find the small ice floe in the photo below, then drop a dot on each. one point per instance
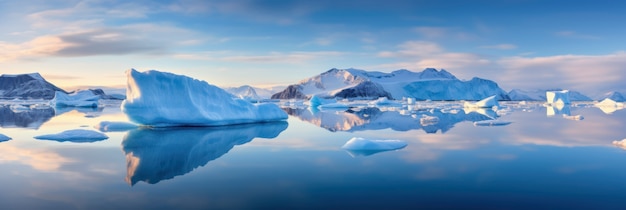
(19, 108)
(317, 100)
(108, 126)
(609, 106)
(426, 120)
(363, 147)
(620, 144)
(333, 106)
(488, 102)
(76, 135)
(4, 138)
(383, 101)
(573, 117)
(491, 123)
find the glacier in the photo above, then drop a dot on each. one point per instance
(4, 138)
(84, 98)
(76, 135)
(365, 147)
(162, 99)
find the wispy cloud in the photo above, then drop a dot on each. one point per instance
(575, 35)
(272, 57)
(500, 46)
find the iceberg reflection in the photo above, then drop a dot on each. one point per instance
(27, 118)
(153, 155)
(373, 118)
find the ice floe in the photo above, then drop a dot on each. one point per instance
(491, 123)
(364, 147)
(76, 135)
(164, 99)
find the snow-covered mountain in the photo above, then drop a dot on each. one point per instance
(613, 95)
(253, 93)
(540, 95)
(427, 84)
(26, 86)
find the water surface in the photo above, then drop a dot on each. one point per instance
(542, 160)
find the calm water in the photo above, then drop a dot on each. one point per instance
(540, 161)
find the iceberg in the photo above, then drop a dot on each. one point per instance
(363, 147)
(558, 97)
(76, 135)
(108, 126)
(491, 123)
(162, 99)
(4, 138)
(574, 117)
(609, 106)
(488, 102)
(83, 98)
(316, 101)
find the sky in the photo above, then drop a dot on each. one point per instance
(520, 44)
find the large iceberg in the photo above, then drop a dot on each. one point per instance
(83, 98)
(488, 102)
(365, 147)
(164, 99)
(558, 97)
(76, 135)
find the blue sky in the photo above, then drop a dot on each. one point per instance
(523, 44)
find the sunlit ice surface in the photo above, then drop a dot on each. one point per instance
(542, 159)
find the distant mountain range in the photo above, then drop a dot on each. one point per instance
(429, 84)
(34, 86)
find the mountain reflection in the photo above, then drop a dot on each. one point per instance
(373, 118)
(153, 155)
(24, 118)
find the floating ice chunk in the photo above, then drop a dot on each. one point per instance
(621, 144)
(76, 135)
(83, 98)
(491, 123)
(426, 120)
(333, 106)
(108, 126)
(574, 117)
(4, 138)
(558, 97)
(488, 102)
(365, 147)
(16, 108)
(383, 101)
(163, 99)
(609, 106)
(317, 101)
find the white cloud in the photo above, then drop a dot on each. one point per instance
(590, 74)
